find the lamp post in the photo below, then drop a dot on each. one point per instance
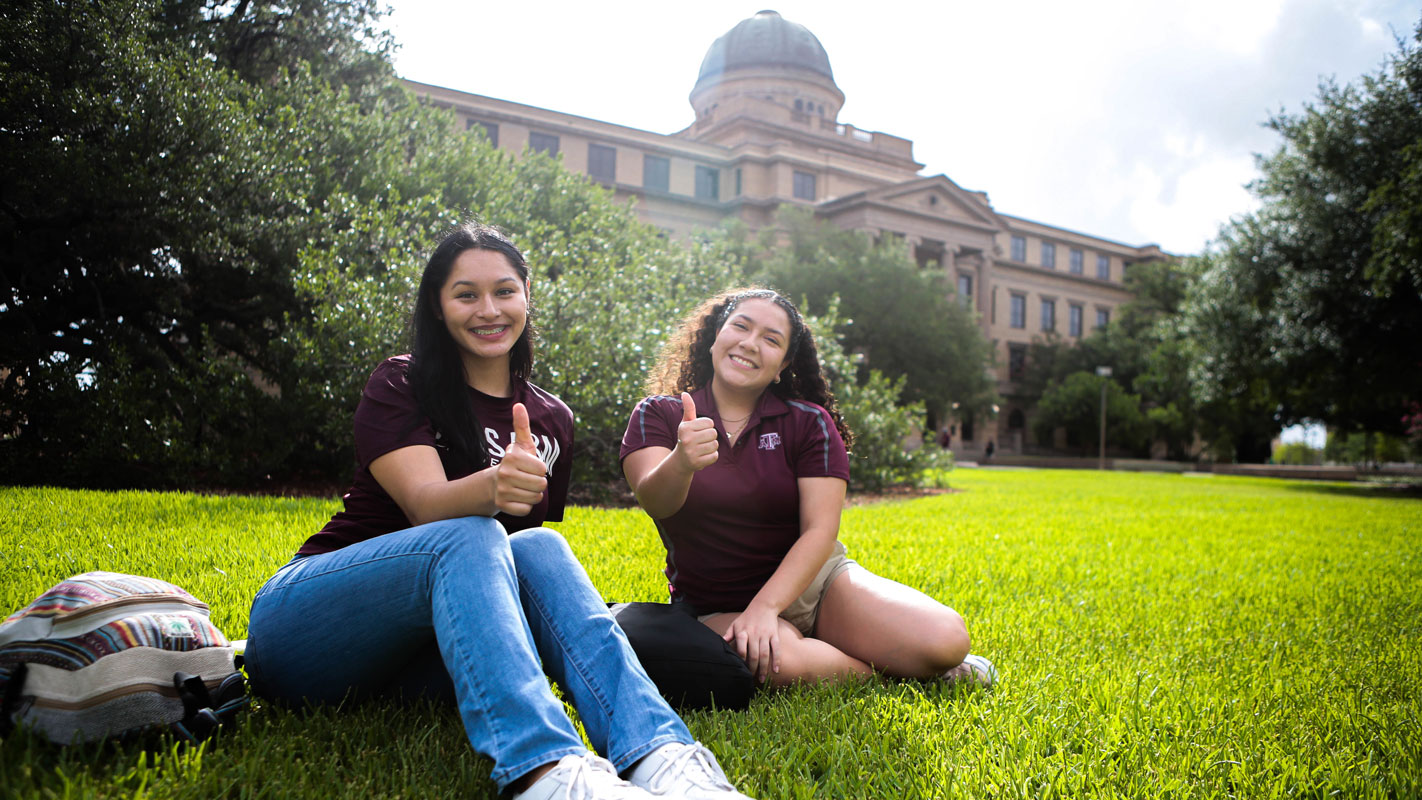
(1104, 372)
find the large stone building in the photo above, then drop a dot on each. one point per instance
(767, 132)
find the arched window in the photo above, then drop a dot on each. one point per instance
(1016, 421)
(799, 105)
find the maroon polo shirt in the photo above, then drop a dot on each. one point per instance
(742, 513)
(388, 418)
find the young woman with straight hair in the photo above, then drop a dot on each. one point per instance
(437, 578)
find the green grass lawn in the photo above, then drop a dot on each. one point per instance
(1156, 636)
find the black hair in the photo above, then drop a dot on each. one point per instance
(436, 366)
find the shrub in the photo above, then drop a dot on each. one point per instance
(881, 427)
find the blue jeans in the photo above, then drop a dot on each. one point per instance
(364, 620)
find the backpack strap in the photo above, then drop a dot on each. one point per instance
(204, 711)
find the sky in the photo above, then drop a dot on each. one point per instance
(1134, 120)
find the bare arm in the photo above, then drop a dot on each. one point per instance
(755, 633)
(660, 478)
(414, 477)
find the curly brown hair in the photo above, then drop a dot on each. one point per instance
(684, 363)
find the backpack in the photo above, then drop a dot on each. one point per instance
(109, 655)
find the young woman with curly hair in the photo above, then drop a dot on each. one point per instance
(740, 457)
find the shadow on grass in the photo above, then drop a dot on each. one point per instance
(1367, 490)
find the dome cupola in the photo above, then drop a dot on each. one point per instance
(770, 58)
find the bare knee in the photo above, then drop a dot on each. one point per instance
(946, 642)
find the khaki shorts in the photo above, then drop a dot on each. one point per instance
(804, 612)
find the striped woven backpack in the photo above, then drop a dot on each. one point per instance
(103, 654)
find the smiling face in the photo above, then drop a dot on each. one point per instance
(750, 347)
(484, 306)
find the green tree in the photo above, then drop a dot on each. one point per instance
(1075, 404)
(1146, 350)
(1297, 454)
(902, 320)
(211, 222)
(143, 198)
(881, 423)
(1310, 308)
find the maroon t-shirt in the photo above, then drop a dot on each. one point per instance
(388, 418)
(742, 513)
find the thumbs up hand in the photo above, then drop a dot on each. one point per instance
(519, 480)
(696, 444)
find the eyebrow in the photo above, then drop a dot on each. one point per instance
(504, 279)
(744, 316)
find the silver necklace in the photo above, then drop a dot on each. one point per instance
(729, 434)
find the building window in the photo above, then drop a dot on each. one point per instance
(804, 186)
(1019, 248)
(1103, 317)
(967, 428)
(1077, 261)
(1019, 311)
(1103, 267)
(543, 143)
(1016, 361)
(738, 181)
(1049, 315)
(708, 183)
(602, 162)
(656, 173)
(491, 131)
(965, 289)
(799, 105)
(1049, 255)
(1074, 315)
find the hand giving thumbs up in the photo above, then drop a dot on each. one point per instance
(519, 480)
(696, 444)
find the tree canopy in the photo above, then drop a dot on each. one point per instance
(1310, 308)
(212, 219)
(901, 320)
(1147, 352)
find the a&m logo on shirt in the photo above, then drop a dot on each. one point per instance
(769, 441)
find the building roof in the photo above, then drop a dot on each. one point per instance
(766, 39)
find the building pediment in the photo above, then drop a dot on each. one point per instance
(935, 197)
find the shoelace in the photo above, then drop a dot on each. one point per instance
(584, 780)
(694, 764)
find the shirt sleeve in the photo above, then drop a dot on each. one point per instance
(650, 425)
(819, 451)
(388, 417)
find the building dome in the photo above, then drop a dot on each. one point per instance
(765, 40)
(763, 65)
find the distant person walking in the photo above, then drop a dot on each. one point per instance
(987, 451)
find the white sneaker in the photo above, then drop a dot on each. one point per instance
(686, 771)
(974, 669)
(584, 777)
